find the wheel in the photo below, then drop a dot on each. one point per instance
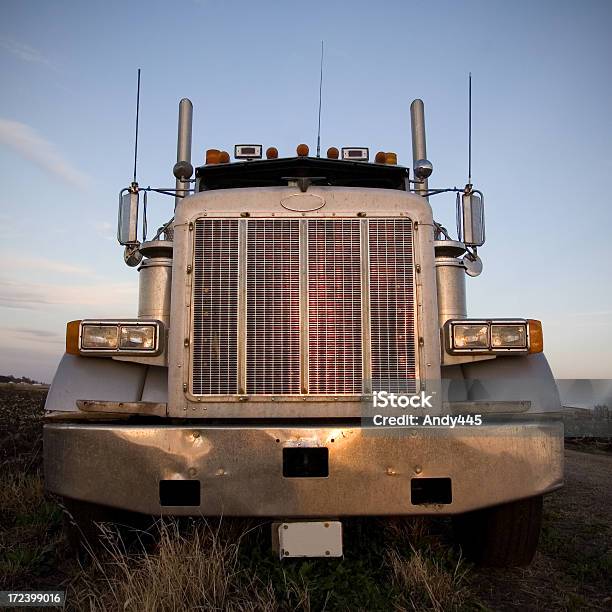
(501, 536)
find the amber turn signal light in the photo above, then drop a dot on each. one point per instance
(536, 337)
(72, 337)
(302, 150)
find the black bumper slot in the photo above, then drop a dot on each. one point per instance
(179, 492)
(306, 462)
(431, 491)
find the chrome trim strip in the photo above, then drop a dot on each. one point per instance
(242, 306)
(304, 322)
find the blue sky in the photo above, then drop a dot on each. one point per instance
(541, 143)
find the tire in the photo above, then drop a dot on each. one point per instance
(501, 536)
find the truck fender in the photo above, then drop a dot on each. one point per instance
(156, 385)
(522, 378)
(90, 378)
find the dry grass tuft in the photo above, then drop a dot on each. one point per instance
(196, 568)
(425, 583)
(30, 529)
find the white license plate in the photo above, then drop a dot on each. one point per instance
(310, 539)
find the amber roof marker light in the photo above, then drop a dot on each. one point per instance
(302, 150)
(391, 158)
(271, 153)
(380, 157)
(333, 153)
(213, 156)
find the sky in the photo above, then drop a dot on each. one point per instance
(542, 136)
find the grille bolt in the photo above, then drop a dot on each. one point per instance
(184, 386)
(361, 214)
(418, 268)
(245, 214)
(196, 434)
(418, 469)
(189, 269)
(186, 342)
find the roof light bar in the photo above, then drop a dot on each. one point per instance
(356, 153)
(247, 151)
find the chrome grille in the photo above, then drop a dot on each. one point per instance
(334, 307)
(215, 307)
(273, 306)
(392, 305)
(291, 306)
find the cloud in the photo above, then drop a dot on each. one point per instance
(24, 52)
(106, 230)
(32, 296)
(22, 336)
(38, 333)
(44, 265)
(30, 145)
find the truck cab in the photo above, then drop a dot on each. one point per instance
(302, 352)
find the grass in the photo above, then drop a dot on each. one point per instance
(227, 565)
(30, 530)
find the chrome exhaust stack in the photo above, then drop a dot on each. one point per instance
(450, 270)
(155, 271)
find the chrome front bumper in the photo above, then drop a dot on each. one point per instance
(240, 471)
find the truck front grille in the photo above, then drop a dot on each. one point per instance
(215, 307)
(392, 306)
(334, 307)
(290, 306)
(273, 307)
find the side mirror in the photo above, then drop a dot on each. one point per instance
(471, 218)
(127, 229)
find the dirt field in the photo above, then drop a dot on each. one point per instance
(387, 566)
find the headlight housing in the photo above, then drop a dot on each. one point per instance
(108, 338)
(493, 336)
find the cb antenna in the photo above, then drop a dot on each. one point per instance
(320, 92)
(136, 137)
(470, 129)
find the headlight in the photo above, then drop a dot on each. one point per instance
(139, 337)
(114, 337)
(471, 336)
(493, 336)
(99, 337)
(509, 336)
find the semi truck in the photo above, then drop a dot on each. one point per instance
(303, 353)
